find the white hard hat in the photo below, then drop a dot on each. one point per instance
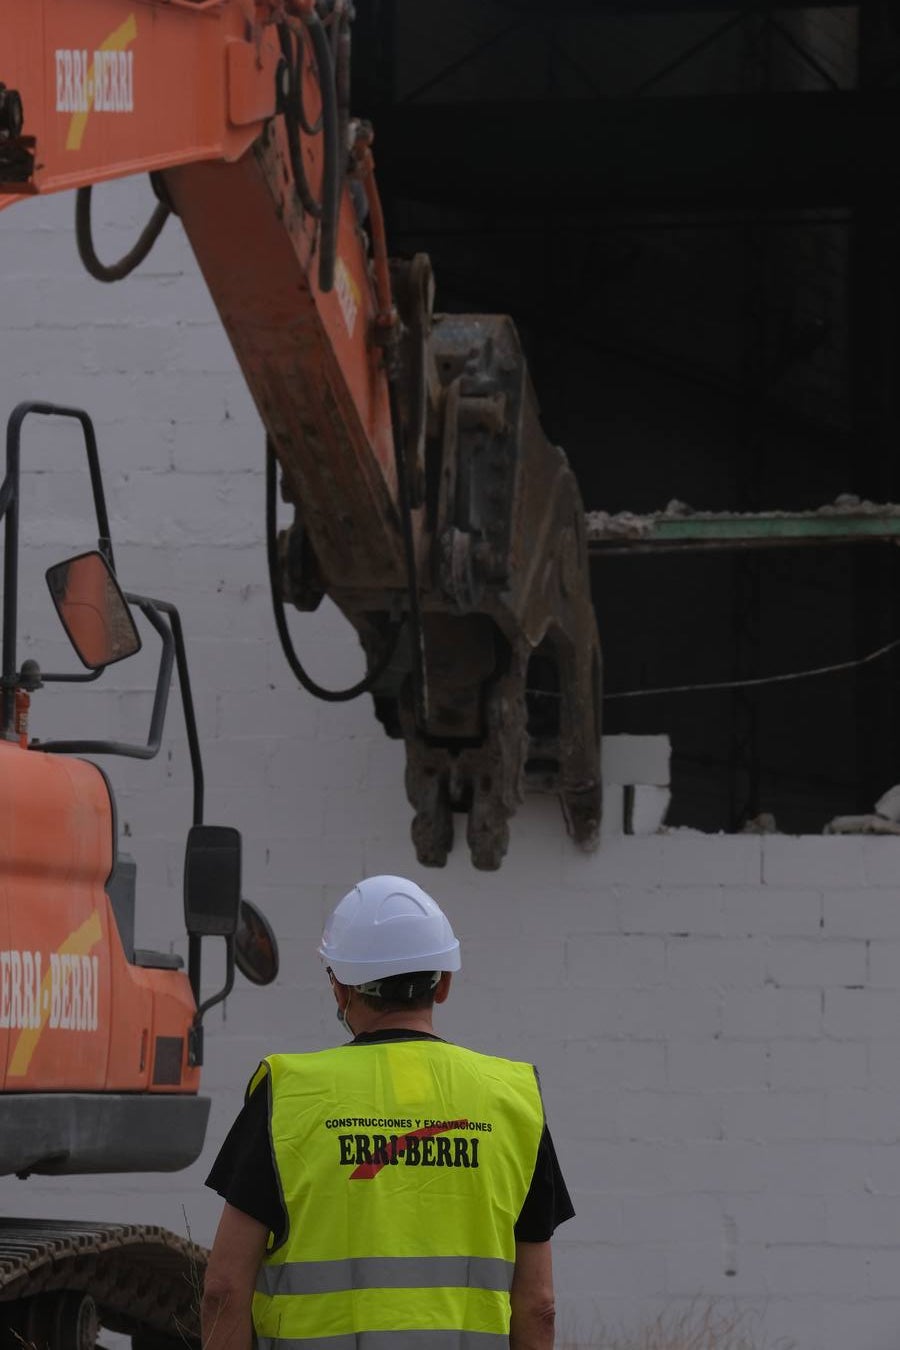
(387, 926)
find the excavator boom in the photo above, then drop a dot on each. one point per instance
(429, 504)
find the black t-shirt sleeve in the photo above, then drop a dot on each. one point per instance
(244, 1171)
(547, 1203)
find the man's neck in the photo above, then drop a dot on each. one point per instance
(365, 1020)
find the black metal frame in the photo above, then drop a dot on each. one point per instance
(174, 653)
(160, 701)
(169, 628)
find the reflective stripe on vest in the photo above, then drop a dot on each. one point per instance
(400, 1219)
(391, 1340)
(386, 1272)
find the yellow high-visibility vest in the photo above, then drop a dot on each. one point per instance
(403, 1167)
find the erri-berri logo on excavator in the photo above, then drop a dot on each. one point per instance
(98, 81)
(57, 990)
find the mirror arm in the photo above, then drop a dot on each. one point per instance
(196, 758)
(195, 947)
(83, 677)
(9, 497)
(104, 540)
(187, 702)
(160, 700)
(195, 1035)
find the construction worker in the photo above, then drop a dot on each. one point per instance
(396, 1193)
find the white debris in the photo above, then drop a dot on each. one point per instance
(764, 823)
(677, 508)
(889, 804)
(885, 819)
(629, 760)
(870, 824)
(648, 808)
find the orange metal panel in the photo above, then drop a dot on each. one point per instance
(147, 1004)
(55, 856)
(249, 94)
(112, 88)
(74, 1015)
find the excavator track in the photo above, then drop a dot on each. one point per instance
(60, 1279)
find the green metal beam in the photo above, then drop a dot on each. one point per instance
(666, 532)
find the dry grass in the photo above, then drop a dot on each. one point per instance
(709, 1327)
(195, 1279)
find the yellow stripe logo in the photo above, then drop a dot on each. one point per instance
(101, 81)
(69, 993)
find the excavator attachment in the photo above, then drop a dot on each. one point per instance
(511, 655)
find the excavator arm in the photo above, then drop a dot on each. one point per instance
(429, 504)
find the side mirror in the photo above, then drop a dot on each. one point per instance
(93, 610)
(212, 881)
(255, 946)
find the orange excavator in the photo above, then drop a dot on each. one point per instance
(101, 1041)
(428, 505)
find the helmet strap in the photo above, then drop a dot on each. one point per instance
(397, 988)
(345, 1010)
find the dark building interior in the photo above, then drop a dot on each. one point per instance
(691, 211)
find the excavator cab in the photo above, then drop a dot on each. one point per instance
(101, 1041)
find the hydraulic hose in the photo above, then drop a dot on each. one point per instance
(332, 153)
(295, 118)
(306, 681)
(341, 48)
(310, 128)
(135, 256)
(326, 211)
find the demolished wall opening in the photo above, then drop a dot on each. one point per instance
(705, 270)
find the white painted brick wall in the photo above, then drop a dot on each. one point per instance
(717, 1019)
